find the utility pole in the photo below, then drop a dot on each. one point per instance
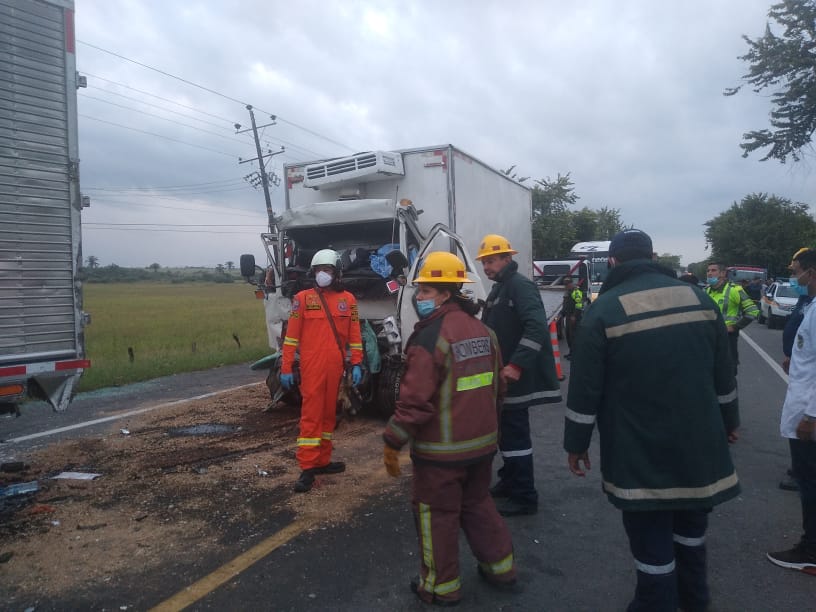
(260, 158)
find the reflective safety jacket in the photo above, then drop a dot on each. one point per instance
(651, 369)
(309, 331)
(448, 400)
(737, 308)
(514, 311)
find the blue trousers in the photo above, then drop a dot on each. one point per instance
(516, 475)
(803, 462)
(670, 556)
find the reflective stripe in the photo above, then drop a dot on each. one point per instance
(530, 344)
(499, 567)
(689, 541)
(445, 392)
(517, 453)
(728, 397)
(327, 435)
(655, 300)
(694, 316)
(308, 441)
(520, 399)
(399, 431)
(446, 588)
(355, 345)
(673, 493)
(654, 570)
(577, 417)
(476, 381)
(457, 447)
(427, 545)
(291, 341)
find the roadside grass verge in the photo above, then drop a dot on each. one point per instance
(144, 330)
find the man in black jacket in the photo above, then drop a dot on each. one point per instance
(514, 311)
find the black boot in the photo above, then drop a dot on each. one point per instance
(305, 482)
(334, 467)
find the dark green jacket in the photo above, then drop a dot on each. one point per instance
(515, 313)
(652, 365)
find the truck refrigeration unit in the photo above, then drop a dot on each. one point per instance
(42, 351)
(383, 211)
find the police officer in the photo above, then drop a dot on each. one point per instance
(737, 308)
(652, 370)
(515, 312)
(447, 410)
(316, 315)
(573, 309)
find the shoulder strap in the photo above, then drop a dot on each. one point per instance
(331, 322)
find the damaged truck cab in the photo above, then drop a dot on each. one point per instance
(383, 212)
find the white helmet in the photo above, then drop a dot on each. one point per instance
(326, 257)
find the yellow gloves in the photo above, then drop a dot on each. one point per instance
(391, 460)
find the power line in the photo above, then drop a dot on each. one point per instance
(169, 224)
(186, 194)
(214, 92)
(138, 229)
(189, 144)
(163, 187)
(223, 209)
(187, 125)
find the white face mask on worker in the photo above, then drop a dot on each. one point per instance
(323, 279)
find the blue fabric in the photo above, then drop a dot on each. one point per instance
(287, 380)
(789, 333)
(356, 375)
(516, 474)
(652, 542)
(379, 263)
(803, 463)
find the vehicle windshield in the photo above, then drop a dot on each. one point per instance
(786, 291)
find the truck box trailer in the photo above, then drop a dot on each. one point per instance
(383, 211)
(42, 352)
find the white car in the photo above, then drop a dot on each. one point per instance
(776, 305)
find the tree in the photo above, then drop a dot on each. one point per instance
(154, 266)
(509, 173)
(669, 260)
(219, 268)
(93, 262)
(761, 230)
(230, 265)
(609, 223)
(553, 233)
(786, 64)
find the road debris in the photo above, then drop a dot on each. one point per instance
(76, 476)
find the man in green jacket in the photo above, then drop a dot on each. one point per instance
(652, 367)
(515, 313)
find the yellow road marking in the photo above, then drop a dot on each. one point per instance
(228, 571)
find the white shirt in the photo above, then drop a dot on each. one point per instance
(801, 397)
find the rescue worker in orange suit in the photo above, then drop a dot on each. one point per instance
(310, 334)
(448, 411)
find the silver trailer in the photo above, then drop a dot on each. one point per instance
(42, 351)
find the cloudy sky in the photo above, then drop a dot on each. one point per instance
(626, 96)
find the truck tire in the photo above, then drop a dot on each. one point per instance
(761, 318)
(773, 321)
(388, 388)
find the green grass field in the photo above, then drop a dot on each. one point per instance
(171, 328)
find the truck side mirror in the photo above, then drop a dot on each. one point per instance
(397, 261)
(248, 266)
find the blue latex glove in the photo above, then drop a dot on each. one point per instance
(356, 375)
(287, 381)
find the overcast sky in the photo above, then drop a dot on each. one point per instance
(626, 96)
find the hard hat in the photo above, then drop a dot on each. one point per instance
(442, 267)
(493, 244)
(326, 257)
(797, 254)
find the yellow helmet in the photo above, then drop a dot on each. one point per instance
(797, 253)
(493, 244)
(442, 267)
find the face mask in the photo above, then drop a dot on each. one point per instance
(799, 289)
(323, 279)
(713, 280)
(424, 308)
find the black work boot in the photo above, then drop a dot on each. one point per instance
(334, 467)
(511, 507)
(499, 490)
(434, 601)
(305, 482)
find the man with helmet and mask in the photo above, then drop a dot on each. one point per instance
(447, 411)
(318, 317)
(515, 312)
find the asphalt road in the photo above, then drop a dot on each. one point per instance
(572, 555)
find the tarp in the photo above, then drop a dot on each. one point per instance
(338, 213)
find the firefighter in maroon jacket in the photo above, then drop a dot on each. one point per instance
(447, 410)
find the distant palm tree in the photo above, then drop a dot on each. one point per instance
(220, 268)
(154, 266)
(230, 265)
(92, 261)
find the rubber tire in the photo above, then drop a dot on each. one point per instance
(388, 388)
(761, 318)
(773, 321)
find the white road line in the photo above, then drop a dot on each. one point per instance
(129, 413)
(774, 366)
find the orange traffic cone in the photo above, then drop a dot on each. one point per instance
(556, 350)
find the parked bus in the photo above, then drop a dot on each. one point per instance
(596, 254)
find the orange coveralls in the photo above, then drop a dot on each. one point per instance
(321, 365)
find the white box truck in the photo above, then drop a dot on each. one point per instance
(42, 351)
(383, 211)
